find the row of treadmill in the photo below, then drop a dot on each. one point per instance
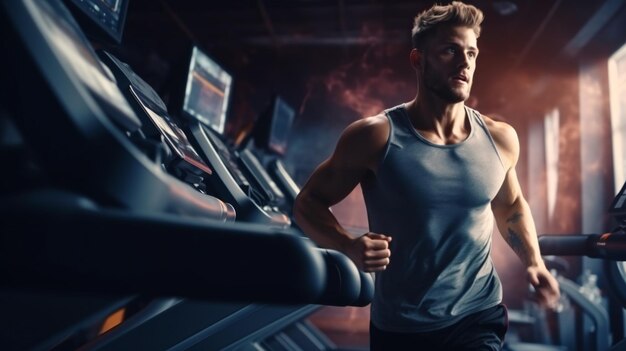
(130, 224)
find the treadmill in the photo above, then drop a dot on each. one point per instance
(200, 101)
(201, 104)
(267, 144)
(261, 150)
(106, 227)
(165, 145)
(611, 247)
(342, 288)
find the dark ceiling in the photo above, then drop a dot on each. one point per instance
(513, 30)
(357, 49)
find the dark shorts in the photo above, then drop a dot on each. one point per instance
(482, 330)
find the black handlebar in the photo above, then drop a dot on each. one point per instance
(611, 246)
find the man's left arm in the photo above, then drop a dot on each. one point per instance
(515, 223)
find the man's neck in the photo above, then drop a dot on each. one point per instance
(442, 120)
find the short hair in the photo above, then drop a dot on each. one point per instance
(455, 14)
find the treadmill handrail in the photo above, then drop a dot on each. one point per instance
(254, 166)
(611, 246)
(289, 185)
(247, 210)
(65, 245)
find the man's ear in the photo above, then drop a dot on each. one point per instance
(416, 57)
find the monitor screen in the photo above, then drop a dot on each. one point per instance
(173, 135)
(69, 44)
(282, 119)
(109, 16)
(207, 89)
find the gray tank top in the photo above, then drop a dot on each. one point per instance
(434, 200)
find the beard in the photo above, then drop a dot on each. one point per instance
(441, 88)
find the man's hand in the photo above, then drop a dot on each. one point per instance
(546, 287)
(370, 252)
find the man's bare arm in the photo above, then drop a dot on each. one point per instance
(356, 154)
(515, 221)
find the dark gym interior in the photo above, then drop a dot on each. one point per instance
(152, 150)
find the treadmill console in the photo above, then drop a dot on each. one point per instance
(160, 137)
(201, 102)
(264, 146)
(174, 137)
(76, 55)
(207, 91)
(104, 18)
(78, 98)
(271, 132)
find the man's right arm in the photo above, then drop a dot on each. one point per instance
(358, 152)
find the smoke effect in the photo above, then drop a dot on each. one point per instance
(596, 102)
(367, 90)
(379, 77)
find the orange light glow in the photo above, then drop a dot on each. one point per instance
(113, 320)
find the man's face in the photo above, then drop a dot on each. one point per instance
(449, 63)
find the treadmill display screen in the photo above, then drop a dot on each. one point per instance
(68, 42)
(207, 89)
(282, 119)
(173, 135)
(108, 15)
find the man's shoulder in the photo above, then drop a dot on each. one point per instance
(372, 122)
(499, 127)
(362, 142)
(504, 135)
(372, 128)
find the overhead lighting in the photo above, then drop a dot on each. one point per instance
(505, 8)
